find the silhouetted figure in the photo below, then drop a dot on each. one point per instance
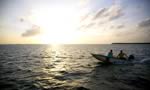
(109, 55)
(122, 55)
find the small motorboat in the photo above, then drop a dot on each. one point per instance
(113, 60)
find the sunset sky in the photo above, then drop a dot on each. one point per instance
(74, 21)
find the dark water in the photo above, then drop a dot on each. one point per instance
(71, 67)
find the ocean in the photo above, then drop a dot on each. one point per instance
(72, 67)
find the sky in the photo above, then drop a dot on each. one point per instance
(74, 21)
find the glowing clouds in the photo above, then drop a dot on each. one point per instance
(57, 24)
(35, 30)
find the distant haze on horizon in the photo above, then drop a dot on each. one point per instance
(74, 21)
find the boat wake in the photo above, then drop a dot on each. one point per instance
(145, 61)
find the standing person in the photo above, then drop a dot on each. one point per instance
(122, 55)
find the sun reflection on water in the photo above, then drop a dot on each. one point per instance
(60, 67)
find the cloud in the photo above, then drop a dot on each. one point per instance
(85, 17)
(35, 30)
(144, 23)
(135, 34)
(144, 28)
(21, 20)
(115, 12)
(102, 16)
(118, 26)
(111, 13)
(100, 13)
(90, 25)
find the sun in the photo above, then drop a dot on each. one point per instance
(58, 24)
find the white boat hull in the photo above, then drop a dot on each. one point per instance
(113, 60)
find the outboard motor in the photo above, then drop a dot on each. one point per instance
(131, 57)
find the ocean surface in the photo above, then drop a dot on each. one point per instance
(72, 67)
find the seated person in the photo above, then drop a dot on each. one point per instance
(122, 55)
(109, 55)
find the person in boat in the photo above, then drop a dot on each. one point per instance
(109, 55)
(122, 55)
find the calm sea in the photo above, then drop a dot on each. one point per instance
(71, 67)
